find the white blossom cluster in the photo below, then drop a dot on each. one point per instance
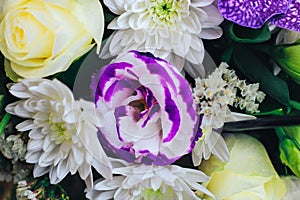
(223, 88)
(23, 191)
(13, 147)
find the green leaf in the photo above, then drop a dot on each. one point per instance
(248, 35)
(9, 72)
(4, 122)
(254, 68)
(278, 111)
(289, 151)
(271, 107)
(227, 54)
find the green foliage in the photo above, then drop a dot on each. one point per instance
(289, 147)
(4, 121)
(254, 69)
(249, 35)
(47, 191)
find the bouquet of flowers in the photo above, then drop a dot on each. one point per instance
(150, 99)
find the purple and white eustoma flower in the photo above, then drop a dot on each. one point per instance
(255, 13)
(148, 107)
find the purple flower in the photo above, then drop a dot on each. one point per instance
(255, 13)
(149, 110)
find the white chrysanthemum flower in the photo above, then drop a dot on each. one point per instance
(63, 135)
(170, 29)
(139, 181)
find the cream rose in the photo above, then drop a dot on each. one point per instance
(249, 175)
(40, 38)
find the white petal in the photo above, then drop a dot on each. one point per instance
(53, 175)
(73, 167)
(92, 145)
(36, 134)
(219, 147)
(194, 70)
(25, 125)
(35, 145)
(78, 155)
(211, 33)
(201, 3)
(195, 56)
(62, 169)
(233, 117)
(156, 183)
(84, 170)
(40, 171)
(116, 6)
(46, 159)
(32, 157)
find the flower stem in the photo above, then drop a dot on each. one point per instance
(280, 133)
(4, 122)
(262, 123)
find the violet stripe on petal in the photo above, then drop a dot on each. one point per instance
(187, 99)
(108, 73)
(173, 114)
(156, 68)
(161, 159)
(152, 110)
(252, 13)
(120, 112)
(120, 85)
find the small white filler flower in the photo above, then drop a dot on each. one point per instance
(139, 181)
(169, 29)
(63, 133)
(215, 95)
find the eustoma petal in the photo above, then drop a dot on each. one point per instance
(252, 13)
(149, 108)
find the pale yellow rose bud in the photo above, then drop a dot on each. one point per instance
(249, 175)
(40, 38)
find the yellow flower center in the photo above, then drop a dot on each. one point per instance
(60, 133)
(149, 193)
(166, 13)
